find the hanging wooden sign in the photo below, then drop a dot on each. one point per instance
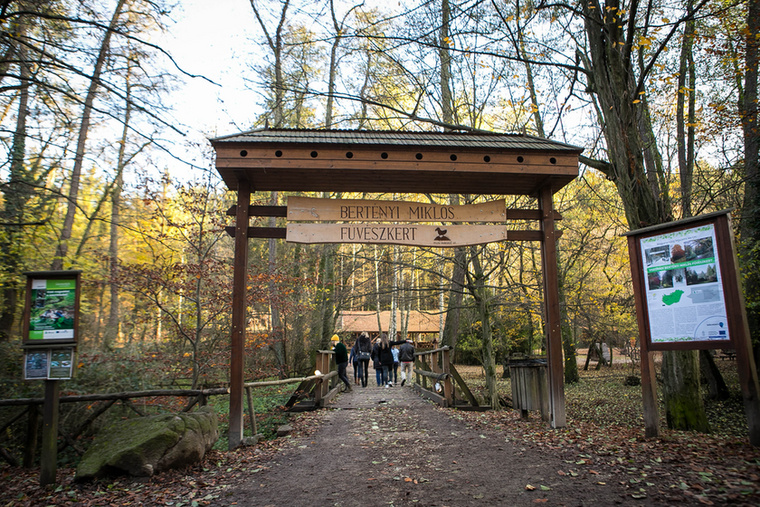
(358, 210)
(397, 234)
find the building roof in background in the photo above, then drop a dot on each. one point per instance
(358, 321)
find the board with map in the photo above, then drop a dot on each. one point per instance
(683, 286)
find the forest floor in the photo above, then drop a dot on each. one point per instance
(387, 446)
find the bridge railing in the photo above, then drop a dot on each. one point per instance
(433, 378)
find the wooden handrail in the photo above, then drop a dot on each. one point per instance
(432, 374)
(428, 352)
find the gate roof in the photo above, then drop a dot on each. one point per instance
(394, 161)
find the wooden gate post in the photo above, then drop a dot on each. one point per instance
(551, 309)
(448, 388)
(49, 456)
(237, 338)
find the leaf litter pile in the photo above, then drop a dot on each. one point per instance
(603, 443)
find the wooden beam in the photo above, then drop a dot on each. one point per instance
(551, 309)
(261, 211)
(648, 380)
(739, 327)
(237, 337)
(49, 456)
(260, 232)
(282, 212)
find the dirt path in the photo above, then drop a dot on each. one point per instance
(381, 446)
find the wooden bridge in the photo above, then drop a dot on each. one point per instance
(435, 378)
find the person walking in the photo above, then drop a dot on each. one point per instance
(394, 349)
(341, 359)
(386, 358)
(364, 354)
(406, 357)
(353, 358)
(376, 363)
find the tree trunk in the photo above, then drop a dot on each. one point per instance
(684, 407)
(629, 137)
(392, 324)
(84, 130)
(684, 134)
(444, 55)
(278, 340)
(750, 215)
(16, 194)
(456, 291)
(482, 299)
(717, 388)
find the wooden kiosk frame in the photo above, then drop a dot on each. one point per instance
(394, 162)
(726, 330)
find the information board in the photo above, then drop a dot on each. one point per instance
(51, 313)
(683, 285)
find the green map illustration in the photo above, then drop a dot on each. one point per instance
(672, 298)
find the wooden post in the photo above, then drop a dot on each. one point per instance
(32, 435)
(551, 309)
(448, 388)
(251, 411)
(323, 386)
(739, 326)
(648, 380)
(48, 465)
(318, 387)
(435, 362)
(237, 338)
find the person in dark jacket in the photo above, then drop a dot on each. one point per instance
(363, 354)
(386, 358)
(341, 359)
(376, 363)
(406, 357)
(353, 358)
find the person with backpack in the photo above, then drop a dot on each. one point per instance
(377, 363)
(363, 347)
(406, 357)
(353, 358)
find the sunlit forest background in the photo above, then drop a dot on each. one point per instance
(96, 175)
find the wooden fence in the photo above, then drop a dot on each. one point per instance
(322, 392)
(437, 379)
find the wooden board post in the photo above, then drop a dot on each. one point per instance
(551, 309)
(648, 380)
(739, 325)
(237, 336)
(49, 455)
(448, 387)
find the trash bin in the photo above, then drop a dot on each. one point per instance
(529, 385)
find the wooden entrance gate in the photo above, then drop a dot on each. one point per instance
(400, 162)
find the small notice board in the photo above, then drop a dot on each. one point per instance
(51, 324)
(51, 313)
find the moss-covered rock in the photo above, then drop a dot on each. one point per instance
(147, 445)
